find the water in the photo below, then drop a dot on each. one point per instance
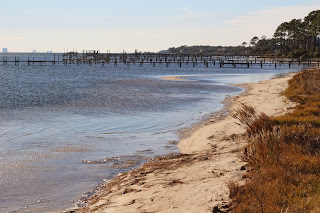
(63, 129)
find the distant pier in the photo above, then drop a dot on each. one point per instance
(140, 59)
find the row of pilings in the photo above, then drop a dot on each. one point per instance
(154, 59)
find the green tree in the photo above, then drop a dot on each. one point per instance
(254, 41)
(281, 34)
(312, 23)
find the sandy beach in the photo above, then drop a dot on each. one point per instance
(197, 179)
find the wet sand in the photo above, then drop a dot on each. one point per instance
(197, 179)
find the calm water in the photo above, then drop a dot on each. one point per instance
(63, 129)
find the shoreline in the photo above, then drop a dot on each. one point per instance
(197, 179)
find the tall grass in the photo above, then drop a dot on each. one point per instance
(283, 154)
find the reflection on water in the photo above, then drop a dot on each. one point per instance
(65, 128)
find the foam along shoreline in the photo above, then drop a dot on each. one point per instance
(197, 179)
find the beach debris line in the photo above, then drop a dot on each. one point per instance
(121, 162)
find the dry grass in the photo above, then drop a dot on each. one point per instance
(283, 154)
(255, 123)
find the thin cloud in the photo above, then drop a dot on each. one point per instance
(183, 9)
(273, 16)
(184, 15)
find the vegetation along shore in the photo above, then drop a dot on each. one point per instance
(283, 153)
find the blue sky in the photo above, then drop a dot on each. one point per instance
(146, 25)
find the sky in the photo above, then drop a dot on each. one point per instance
(145, 25)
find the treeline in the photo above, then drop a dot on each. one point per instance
(217, 50)
(297, 38)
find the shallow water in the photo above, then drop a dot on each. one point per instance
(63, 129)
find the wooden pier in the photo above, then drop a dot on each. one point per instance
(139, 59)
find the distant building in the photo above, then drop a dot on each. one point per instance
(34, 51)
(49, 51)
(163, 51)
(4, 50)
